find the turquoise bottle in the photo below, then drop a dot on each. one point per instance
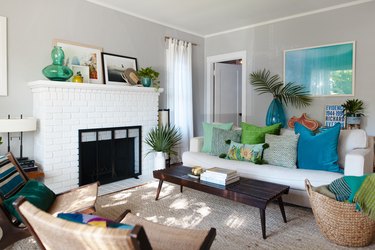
(57, 71)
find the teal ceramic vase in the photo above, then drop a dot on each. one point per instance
(57, 71)
(275, 113)
(146, 81)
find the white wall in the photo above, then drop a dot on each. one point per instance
(32, 25)
(265, 45)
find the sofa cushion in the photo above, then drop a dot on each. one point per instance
(220, 137)
(285, 176)
(207, 133)
(252, 134)
(245, 152)
(282, 150)
(318, 151)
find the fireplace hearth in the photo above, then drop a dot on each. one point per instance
(109, 154)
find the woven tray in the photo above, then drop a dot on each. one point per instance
(339, 222)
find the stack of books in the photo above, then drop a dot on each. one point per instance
(220, 176)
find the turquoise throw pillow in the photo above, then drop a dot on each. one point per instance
(207, 133)
(93, 220)
(36, 193)
(318, 151)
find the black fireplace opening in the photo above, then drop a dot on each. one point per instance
(109, 154)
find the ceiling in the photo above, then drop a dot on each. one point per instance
(209, 17)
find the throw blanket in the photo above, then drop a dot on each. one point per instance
(365, 196)
(359, 189)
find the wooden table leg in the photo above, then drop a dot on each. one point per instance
(181, 188)
(281, 205)
(159, 189)
(263, 221)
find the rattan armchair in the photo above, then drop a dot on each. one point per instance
(75, 236)
(81, 199)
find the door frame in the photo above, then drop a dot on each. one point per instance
(209, 91)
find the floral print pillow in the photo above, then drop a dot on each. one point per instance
(246, 152)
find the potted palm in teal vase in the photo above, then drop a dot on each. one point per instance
(353, 109)
(163, 140)
(289, 93)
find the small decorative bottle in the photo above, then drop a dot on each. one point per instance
(57, 71)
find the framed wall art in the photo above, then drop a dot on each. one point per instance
(334, 114)
(114, 67)
(3, 57)
(326, 70)
(83, 55)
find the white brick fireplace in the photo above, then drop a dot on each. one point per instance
(62, 108)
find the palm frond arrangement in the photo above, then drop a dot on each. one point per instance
(163, 139)
(353, 107)
(291, 93)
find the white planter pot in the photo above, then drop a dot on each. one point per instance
(159, 161)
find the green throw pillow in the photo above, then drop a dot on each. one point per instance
(207, 133)
(219, 139)
(245, 152)
(282, 150)
(36, 193)
(252, 134)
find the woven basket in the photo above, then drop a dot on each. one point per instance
(339, 222)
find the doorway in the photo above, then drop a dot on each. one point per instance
(226, 88)
(227, 97)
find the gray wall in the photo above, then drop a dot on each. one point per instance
(265, 45)
(32, 25)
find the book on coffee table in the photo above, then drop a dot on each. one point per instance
(221, 172)
(219, 181)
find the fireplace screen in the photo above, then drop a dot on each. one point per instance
(109, 154)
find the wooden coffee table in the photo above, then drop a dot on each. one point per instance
(250, 192)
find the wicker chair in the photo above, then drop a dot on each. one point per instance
(45, 228)
(80, 200)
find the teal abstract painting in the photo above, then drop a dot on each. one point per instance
(324, 71)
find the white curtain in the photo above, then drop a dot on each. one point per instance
(179, 89)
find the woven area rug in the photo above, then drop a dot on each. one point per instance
(237, 225)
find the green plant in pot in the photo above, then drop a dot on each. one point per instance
(148, 76)
(289, 93)
(163, 140)
(353, 109)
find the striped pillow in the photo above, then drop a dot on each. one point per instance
(10, 179)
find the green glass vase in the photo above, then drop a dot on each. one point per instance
(57, 71)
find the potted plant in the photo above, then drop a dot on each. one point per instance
(162, 140)
(282, 93)
(148, 76)
(353, 109)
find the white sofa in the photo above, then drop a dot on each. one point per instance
(355, 150)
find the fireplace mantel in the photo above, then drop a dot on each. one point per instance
(35, 85)
(63, 108)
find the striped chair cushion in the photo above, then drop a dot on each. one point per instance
(10, 179)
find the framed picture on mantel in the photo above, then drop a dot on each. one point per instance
(114, 67)
(83, 55)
